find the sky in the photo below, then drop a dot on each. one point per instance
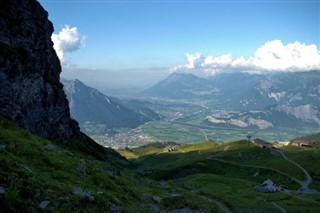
(130, 43)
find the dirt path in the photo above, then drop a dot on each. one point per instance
(304, 184)
(205, 135)
(272, 203)
(259, 167)
(279, 207)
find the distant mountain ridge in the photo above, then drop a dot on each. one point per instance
(264, 100)
(98, 113)
(182, 86)
(243, 89)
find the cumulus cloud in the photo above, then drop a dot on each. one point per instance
(67, 40)
(272, 56)
(194, 61)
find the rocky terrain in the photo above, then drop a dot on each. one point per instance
(30, 91)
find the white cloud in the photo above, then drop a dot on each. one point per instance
(67, 40)
(272, 56)
(275, 56)
(194, 61)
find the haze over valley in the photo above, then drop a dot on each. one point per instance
(188, 109)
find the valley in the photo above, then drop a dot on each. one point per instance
(185, 108)
(183, 123)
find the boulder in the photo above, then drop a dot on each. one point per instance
(43, 205)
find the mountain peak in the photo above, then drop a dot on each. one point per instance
(182, 75)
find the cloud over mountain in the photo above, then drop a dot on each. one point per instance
(272, 56)
(67, 40)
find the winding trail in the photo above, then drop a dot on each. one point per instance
(254, 166)
(304, 184)
(205, 135)
(279, 207)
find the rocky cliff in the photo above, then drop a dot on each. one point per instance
(30, 90)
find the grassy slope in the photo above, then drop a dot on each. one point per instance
(226, 172)
(54, 176)
(309, 158)
(31, 173)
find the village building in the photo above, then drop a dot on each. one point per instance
(262, 144)
(268, 186)
(170, 148)
(301, 142)
(284, 143)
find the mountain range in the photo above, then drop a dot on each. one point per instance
(252, 100)
(100, 114)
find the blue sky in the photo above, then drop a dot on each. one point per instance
(157, 35)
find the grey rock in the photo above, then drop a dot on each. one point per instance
(90, 196)
(82, 168)
(113, 172)
(164, 185)
(2, 190)
(154, 208)
(49, 146)
(156, 199)
(78, 191)
(56, 204)
(37, 193)
(114, 208)
(2, 146)
(176, 196)
(25, 167)
(44, 204)
(81, 193)
(187, 210)
(30, 90)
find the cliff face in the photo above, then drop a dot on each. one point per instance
(30, 90)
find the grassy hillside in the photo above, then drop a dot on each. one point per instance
(35, 172)
(229, 172)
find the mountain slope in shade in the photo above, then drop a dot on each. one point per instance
(94, 110)
(30, 91)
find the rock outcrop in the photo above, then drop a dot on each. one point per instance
(30, 90)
